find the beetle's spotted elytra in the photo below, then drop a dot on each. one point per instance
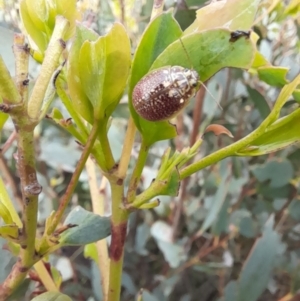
(163, 93)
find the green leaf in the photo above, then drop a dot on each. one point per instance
(282, 133)
(80, 101)
(259, 101)
(38, 13)
(257, 269)
(8, 89)
(52, 296)
(160, 33)
(91, 63)
(38, 18)
(274, 76)
(5, 214)
(208, 52)
(31, 25)
(296, 95)
(3, 119)
(56, 114)
(292, 8)
(103, 69)
(90, 228)
(71, 14)
(7, 209)
(9, 231)
(259, 61)
(232, 14)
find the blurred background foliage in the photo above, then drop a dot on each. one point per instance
(235, 222)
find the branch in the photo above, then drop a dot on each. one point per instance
(231, 150)
(98, 208)
(126, 151)
(137, 172)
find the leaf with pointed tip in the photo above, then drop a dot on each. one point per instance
(103, 69)
(80, 101)
(259, 61)
(8, 207)
(8, 89)
(34, 26)
(274, 76)
(71, 14)
(259, 101)
(282, 133)
(90, 228)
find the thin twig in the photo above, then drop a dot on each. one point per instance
(45, 277)
(194, 260)
(97, 196)
(126, 151)
(137, 172)
(73, 182)
(234, 147)
(197, 114)
(179, 144)
(21, 52)
(9, 142)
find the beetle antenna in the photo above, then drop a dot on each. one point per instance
(201, 82)
(186, 53)
(207, 90)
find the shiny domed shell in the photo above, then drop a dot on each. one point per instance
(163, 93)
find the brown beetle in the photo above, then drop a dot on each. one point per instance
(164, 92)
